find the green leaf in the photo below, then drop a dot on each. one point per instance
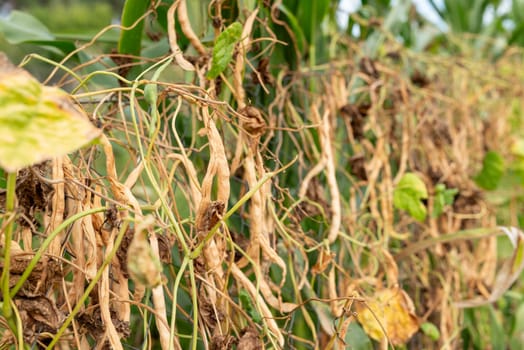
(430, 330)
(498, 337)
(37, 122)
(310, 15)
(223, 50)
(246, 302)
(408, 194)
(492, 171)
(64, 46)
(412, 183)
(406, 201)
(443, 197)
(357, 339)
(518, 333)
(295, 27)
(20, 27)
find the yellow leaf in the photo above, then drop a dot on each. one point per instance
(37, 122)
(390, 310)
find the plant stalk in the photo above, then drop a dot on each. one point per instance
(9, 209)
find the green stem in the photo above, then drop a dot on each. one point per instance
(9, 209)
(149, 171)
(175, 295)
(20, 330)
(194, 298)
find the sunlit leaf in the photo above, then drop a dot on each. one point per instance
(37, 122)
(408, 194)
(223, 49)
(517, 148)
(392, 311)
(430, 330)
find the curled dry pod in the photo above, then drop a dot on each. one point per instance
(252, 121)
(142, 264)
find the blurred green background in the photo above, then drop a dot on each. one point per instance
(417, 24)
